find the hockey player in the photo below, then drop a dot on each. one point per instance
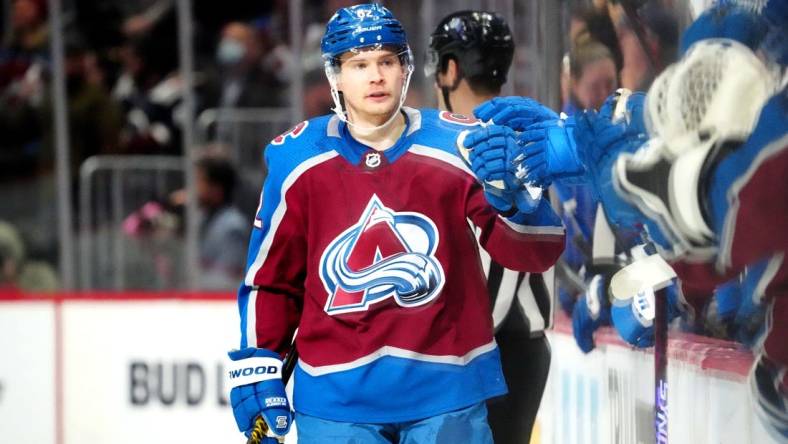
(363, 242)
(468, 58)
(730, 154)
(732, 158)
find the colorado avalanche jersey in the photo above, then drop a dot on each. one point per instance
(748, 212)
(372, 256)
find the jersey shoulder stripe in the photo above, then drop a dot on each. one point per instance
(441, 129)
(288, 157)
(304, 140)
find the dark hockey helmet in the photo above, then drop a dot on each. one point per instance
(480, 41)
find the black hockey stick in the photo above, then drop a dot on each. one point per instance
(661, 365)
(652, 272)
(260, 428)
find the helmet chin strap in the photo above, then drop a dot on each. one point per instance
(446, 90)
(340, 109)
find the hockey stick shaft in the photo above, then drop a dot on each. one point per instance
(260, 428)
(661, 366)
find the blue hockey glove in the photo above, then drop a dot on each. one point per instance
(517, 113)
(551, 153)
(591, 311)
(633, 318)
(257, 389)
(599, 143)
(496, 160)
(630, 112)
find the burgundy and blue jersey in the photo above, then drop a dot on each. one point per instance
(748, 212)
(372, 256)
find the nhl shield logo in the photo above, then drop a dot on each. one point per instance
(386, 254)
(372, 160)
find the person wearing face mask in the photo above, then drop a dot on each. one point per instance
(245, 82)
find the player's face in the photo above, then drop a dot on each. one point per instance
(371, 83)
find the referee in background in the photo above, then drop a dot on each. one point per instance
(469, 55)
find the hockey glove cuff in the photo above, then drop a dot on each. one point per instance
(551, 153)
(257, 389)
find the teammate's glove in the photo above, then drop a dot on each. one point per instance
(630, 112)
(257, 389)
(496, 160)
(591, 311)
(634, 317)
(517, 113)
(599, 143)
(551, 153)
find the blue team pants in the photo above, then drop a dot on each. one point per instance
(464, 426)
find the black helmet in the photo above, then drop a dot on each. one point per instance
(480, 41)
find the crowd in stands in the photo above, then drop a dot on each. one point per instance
(124, 93)
(124, 90)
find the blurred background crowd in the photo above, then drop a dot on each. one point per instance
(256, 70)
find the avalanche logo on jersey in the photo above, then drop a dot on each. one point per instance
(385, 254)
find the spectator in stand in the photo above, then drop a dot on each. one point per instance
(94, 118)
(27, 42)
(245, 81)
(224, 229)
(23, 58)
(596, 24)
(149, 90)
(27, 160)
(17, 273)
(12, 252)
(592, 75)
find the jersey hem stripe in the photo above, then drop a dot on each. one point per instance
(398, 353)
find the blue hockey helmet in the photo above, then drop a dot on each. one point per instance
(361, 26)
